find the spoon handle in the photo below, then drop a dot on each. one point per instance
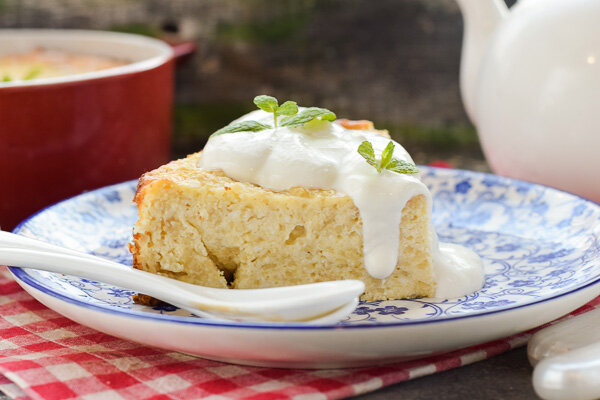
(102, 270)
(78, 263)
(12, 240)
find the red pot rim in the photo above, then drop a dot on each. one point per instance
(154, 52)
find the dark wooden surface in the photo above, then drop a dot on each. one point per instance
(506, 376)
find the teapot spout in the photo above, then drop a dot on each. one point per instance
(481, 18)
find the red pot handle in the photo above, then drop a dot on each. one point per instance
(182, 50)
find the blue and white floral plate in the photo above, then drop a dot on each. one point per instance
(540, 247)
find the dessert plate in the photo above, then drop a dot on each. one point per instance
(540, 247)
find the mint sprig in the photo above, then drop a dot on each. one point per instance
(289, 109)
(387, 161)
(271, 105)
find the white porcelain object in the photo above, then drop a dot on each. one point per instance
(568, 335)
(325, 302)
(566, 356)
(530, 81)
(570, 376)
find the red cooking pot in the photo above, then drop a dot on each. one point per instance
(61, 136)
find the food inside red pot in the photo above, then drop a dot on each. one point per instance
(84, 127)
(47, 63)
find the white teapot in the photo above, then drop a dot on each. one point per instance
(530, 82)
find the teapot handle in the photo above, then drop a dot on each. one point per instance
(481, 18)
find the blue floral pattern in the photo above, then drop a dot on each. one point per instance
(536, 243)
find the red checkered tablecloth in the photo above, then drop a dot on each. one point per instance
(44, 355)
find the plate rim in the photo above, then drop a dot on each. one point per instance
(21, 275)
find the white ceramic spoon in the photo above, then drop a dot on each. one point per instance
(566, 357)
(319, 303)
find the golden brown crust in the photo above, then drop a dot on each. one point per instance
(146, 300)
(362, 125)
(166, 171)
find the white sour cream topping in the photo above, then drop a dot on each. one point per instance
(458, 270)
(324, 155)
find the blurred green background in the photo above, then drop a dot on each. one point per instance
(395, 62)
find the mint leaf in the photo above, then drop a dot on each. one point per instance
(402, 167)
(388, 161)
(271, 105)
(386, 155)
(266, 103)
(287, 108)
(366, 151)
(308, 115)
(245, 126)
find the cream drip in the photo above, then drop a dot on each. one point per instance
(458, 270)
(324, 155)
